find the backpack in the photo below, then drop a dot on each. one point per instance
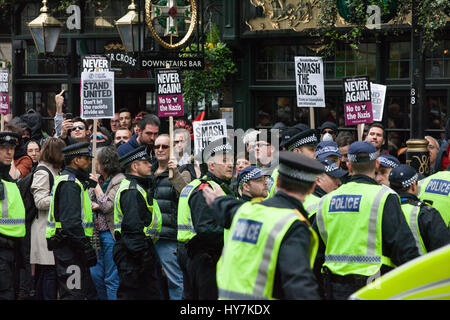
(24, 186)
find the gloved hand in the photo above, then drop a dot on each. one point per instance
(90, 257)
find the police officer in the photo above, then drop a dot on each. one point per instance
(201, 239)
(70, 224)
(325, 183)
(362, 228)
(137, 224)
(270, 248)
(385, 163)
(435, 189)
(304, 142)
(425, 222)
(12, 224)
(251, 184)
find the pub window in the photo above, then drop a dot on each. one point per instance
(437, 63)
(54, 64)
(399, 60)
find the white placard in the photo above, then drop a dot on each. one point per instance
(309, 82)
(97, 95)
(207, 131)
(378, 92)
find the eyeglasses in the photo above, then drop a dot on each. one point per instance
(78, 127)
(98, 136)
(161, 146)
(430, 146)
(328, 131)
(178, 141)
(261, 144)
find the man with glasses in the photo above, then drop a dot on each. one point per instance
(433, 148)
(147, 132)
(328, 131)
(114, 123)
(79, 129)
(252, 184)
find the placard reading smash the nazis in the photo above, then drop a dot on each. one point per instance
(97, 95)
(357, 101)
(309, 82)
(207, 131)
(170, 96)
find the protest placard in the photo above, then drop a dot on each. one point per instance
(95, 64)
(4, 91)
(170, 97)
(97, 95)
(207, 131)
(378, 94)
(357, 101)
(309, 82)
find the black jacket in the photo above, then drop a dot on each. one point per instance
(432, 227)
(68, 207)
(294, 278)
(135, 216)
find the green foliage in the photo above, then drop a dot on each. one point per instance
(431, 18)
(199, 84)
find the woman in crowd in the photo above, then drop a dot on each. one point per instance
(52, 158)
(104, 274)
(33, 149)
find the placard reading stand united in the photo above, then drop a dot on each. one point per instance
(97, 95)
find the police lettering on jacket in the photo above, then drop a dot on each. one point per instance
(347, 203)
(438, 186)
(247, 231)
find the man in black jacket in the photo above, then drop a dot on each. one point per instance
(70, 241)
(137, 221)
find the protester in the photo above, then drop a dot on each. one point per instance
(147, 132)
(344, 140)
(114, 123)
(33, 151)
(136, 120)
(328, 131)
(377, 136)
(104, 274)
(51, 158)
(182, 148)
(22, 164)
(166, 192)
(121, 136)
(433, 149)
(79, 129)
(125, 118)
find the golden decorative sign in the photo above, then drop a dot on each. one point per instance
(170, 12)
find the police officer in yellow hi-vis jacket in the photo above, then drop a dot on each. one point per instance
(137, 224)
(270, 247)
(363, 231)
(12, 221)
(70, 225)
(427, 225)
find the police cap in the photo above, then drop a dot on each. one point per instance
(77, 150)
(9, 138)
(403, 176)
(357, 148)
(299, 167)
(388, 161)
(248, 173)
(327, 148)
(306, 137)
(139, 153)
(218, 146)
(332, 169)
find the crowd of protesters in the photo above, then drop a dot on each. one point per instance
(40, 154)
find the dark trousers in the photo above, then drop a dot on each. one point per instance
(25, 283)
(201, 277)
(138, 275)
(7, 273)
(73, 276)
(182, 261)
(45, 276)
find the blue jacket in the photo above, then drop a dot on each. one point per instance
(128, 146)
